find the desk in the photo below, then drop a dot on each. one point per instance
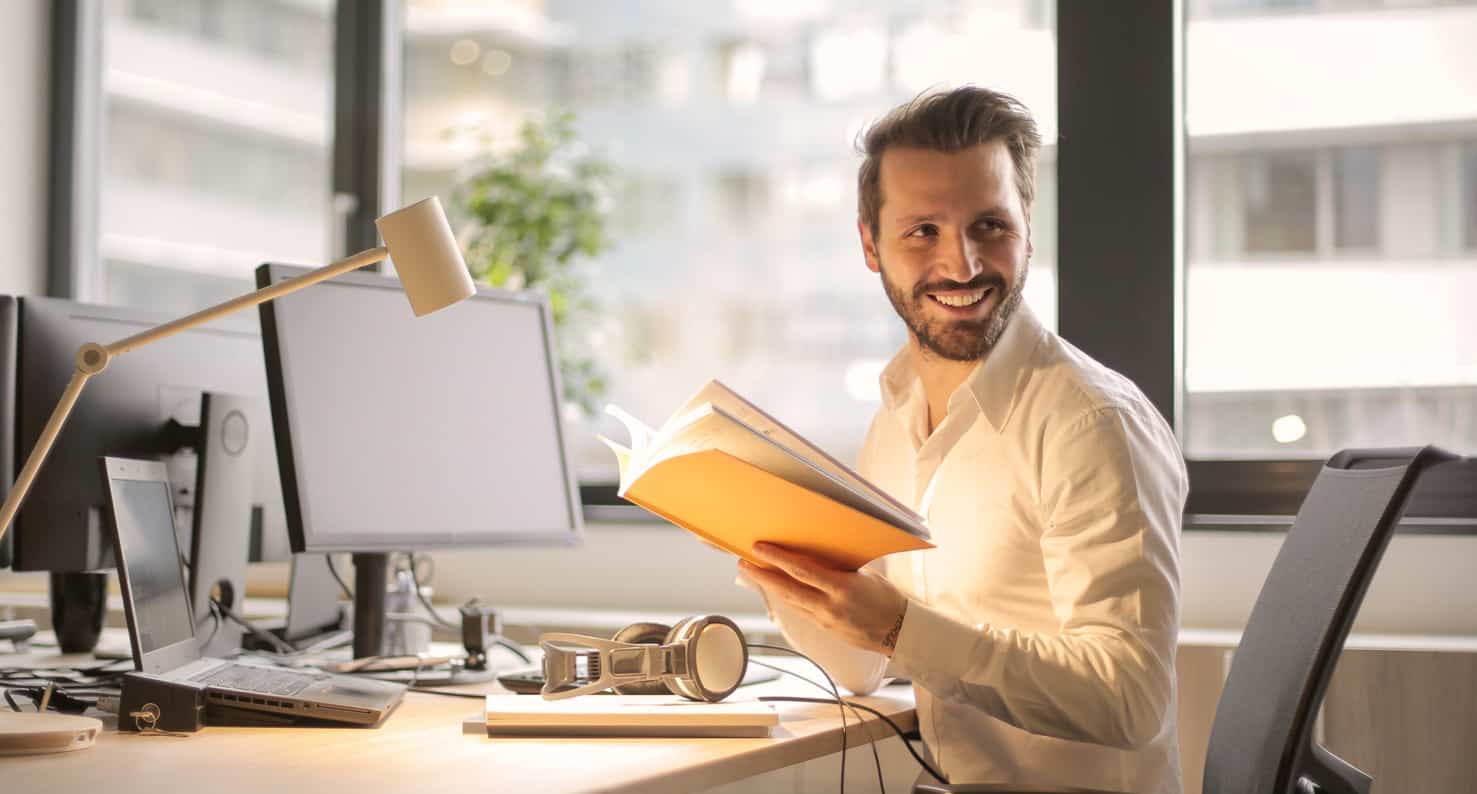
(421, 748)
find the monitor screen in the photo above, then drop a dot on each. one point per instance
(398, 433)
(155, 579)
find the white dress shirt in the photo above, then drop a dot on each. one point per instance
(1040, 633)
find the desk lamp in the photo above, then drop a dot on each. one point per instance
(418, 240)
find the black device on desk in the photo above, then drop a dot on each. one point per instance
(161, 630)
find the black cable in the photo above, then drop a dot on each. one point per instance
(216, 623)
(332, 569)
(834, 691)
(446, 624)
(271, 639)
(871, 738)
(426, 602)
(895, 727)
(513, 647)
(429, 691)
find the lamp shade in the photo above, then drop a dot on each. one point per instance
(426, 256)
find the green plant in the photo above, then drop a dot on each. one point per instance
(532, 216)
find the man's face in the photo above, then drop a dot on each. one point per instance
(952, 245)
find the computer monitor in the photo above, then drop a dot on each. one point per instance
(397, 433)
(124, 411)
(9, 311)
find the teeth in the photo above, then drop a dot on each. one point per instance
(960, 300)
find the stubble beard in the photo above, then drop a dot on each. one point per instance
(956, 340)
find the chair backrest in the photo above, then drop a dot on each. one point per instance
(1261, 742)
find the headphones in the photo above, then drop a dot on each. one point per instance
(700, 658)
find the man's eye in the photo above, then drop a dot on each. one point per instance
(926, 230)
(990, 226)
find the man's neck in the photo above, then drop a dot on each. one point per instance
(941, 377)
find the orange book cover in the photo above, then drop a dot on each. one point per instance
(735, 483)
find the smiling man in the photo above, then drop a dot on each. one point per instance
(1040, 633)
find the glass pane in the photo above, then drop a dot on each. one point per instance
(732, 208)
(1330, 222)
(216, 128)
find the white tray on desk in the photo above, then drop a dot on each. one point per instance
(627, 715)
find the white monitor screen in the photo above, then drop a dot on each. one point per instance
(156, 584)
(402, 432)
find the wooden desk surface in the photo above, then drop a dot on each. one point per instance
(421, 748)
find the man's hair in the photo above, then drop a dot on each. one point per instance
(948, 121)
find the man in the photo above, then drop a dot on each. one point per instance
(1040, 633)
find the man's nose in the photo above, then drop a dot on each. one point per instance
(961, 259)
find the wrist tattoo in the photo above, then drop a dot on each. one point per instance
(890, 641)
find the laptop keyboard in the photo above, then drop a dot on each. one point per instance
(263, 680)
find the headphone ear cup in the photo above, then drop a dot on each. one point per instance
(644, 634)
(716, 657)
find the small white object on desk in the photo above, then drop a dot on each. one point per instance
(32, 734)
(627, 715)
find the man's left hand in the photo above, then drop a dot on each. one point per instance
(862, 607)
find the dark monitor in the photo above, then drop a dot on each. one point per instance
(9, 311)
(124, 411)
(398, 433)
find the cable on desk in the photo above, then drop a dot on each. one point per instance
(415, 581)
(273, 640)
(425, 690)
(895, 727)
(333, 570)
(871, 739)
(834, 691)
(215, 618)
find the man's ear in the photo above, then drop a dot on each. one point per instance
(869, 246)
(1030, 242)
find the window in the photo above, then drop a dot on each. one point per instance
(1279, 193)
(1325, 287)
(735, 252)
(215, 147)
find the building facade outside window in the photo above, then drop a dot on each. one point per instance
(1329, 214)
(216, 133)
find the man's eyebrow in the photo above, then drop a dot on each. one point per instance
(993, 212)
(907, 220)
(998, 211)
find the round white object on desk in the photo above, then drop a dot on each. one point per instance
(25, 733)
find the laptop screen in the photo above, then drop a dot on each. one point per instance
(150, 552)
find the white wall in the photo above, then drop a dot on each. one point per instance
(25, 95)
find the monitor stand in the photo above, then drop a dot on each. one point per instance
(370, 571)
(225, 445)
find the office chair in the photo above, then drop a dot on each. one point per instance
(1262, 738)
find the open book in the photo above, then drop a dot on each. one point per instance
(733, 475)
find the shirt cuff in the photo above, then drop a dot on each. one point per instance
(928, 645)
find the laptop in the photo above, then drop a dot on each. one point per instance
(161, 628)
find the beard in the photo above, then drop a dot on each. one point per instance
(956, 340)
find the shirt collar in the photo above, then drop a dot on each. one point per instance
(994, 384)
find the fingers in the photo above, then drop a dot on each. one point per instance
(801, 567)
(784, 587)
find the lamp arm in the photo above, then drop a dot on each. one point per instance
(93, 358)
(361, 259)
(43, 444)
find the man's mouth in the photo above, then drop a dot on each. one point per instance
(960, 299)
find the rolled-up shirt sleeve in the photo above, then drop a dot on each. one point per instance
(1112, 495)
